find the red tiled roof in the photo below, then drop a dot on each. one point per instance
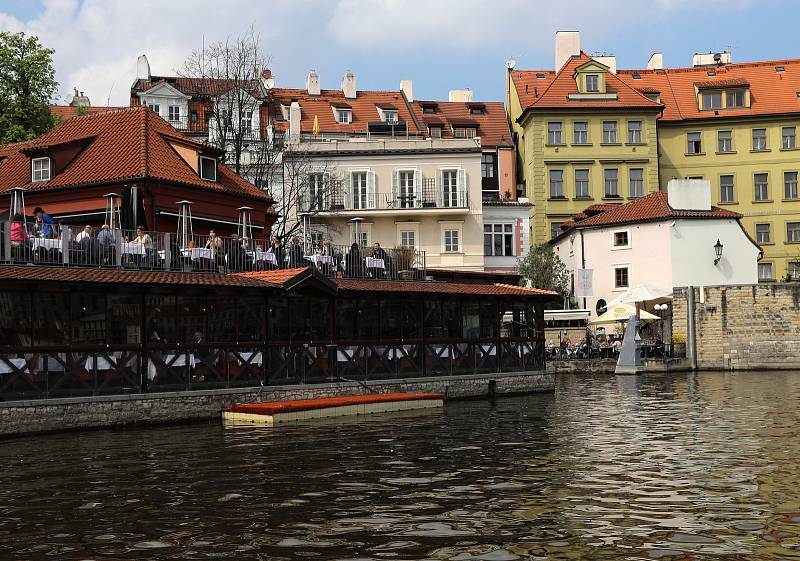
(420, 287)
(530, 84)
(492, 124)
(277, 276)
(556, 94)
(87, 275)
(64, 112)
(771, 92)
(654, 206)
(119, 145)
(196, 87)
(364, 109)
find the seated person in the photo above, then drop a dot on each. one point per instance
(379, 253)
(106, 243)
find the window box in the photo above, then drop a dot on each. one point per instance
(725, 152)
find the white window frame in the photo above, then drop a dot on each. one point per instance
(371, 203)
(610, 135)
(38, 175)
(401, 230)
(340, 111)
(416, 187)
(391, 112)
(614, 268)
(555, 137)
(461, 196)
(452, 226)
(725, 142)
(596, 79)
(200, 168)
(789, 141)
(631, 184)
(436, 132)
(577, 133)
(761, 239)
(635, 135)
(722, 186)
(771, 271)
(505, 229)
(173, 113)
(614, 246)
(155, 108)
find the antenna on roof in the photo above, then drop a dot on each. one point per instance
(111, 89)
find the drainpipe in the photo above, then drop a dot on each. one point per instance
(583, 263)
(691, 335)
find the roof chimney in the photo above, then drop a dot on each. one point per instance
(608, 60)
(142, 68)
(312, 83)
(689, 194)
(460, 95)
(407, 87)
(349, 85)
(712, 59)
(656, 62)
(79, 99)
(568, 43)
(294, 121)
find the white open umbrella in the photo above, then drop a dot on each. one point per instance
(642, 293)
(621, 312)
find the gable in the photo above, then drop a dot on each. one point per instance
(163, 90)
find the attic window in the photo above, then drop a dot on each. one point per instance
(653, 97)
(429, 108)
(780, 69)
(389, 116)
(436, 132)
(592, 83)
(712, 73)
(40, 169)
(636, 76)
(462, 132)
(477, 109)
(208, 168)
(540, 75)
(344, 116)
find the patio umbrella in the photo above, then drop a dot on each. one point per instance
(642, 293)
(315, 127)
(621, 312)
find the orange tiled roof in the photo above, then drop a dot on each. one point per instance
(421, 287)
(65, 112)
(119, 145)
(556, 94)
(197, 87)
(654, 206)
(277, 276)
(530, 84)
(492, 123)
(90, 275)
(771, 92)
(364, 108)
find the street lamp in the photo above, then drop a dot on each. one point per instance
(660, 309)
(718, 251)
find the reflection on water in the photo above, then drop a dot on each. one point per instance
(679, 467)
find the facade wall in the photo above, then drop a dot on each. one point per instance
(743, 163)
(519, 217)
(59, 415)
(744, 327)
(506, 170)
(595, 157)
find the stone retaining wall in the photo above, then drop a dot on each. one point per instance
(107, 411)
(748, 327)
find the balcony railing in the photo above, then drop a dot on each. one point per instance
(429, 195)
(211, 130)
(162, 251)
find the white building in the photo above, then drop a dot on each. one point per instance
(663, 239)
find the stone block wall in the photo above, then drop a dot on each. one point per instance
(748, 327)
(108, 411)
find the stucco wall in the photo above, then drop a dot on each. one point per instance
(748, 327)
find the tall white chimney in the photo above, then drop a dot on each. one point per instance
(656, 62)
(294, 121)
(407, 87)
(142, 68)
(349, 85)
(608, 60)
(312, 83)
(689, 194)
(568, 43)
(460, 95)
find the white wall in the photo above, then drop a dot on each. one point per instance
(519, 216)
(692, 243)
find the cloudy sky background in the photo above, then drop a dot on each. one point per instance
(440, 44)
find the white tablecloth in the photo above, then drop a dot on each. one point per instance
(199, 253)
(46, 243)
(171, 361)
(490, 350)
(317, 259)
(19, 363)
(267, 256)
(373, 263)
(132, 248)
(250, 358)
(345, 355)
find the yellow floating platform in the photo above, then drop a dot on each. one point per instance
(276, 412)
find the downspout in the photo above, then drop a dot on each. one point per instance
(583, 262)
(691, 335)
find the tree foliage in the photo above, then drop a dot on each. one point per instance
(27, 84)
(544, 269)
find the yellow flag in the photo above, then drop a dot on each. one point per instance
(315, 129)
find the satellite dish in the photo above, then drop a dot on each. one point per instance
(269, 83)
(511, 63)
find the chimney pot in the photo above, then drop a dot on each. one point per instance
(312, 83)
(407, 87)
(349, 85)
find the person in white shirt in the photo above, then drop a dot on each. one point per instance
(143, 238)
(85, 233)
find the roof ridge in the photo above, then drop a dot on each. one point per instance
(145, 144)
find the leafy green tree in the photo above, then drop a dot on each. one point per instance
(543, 267)
(27, 84)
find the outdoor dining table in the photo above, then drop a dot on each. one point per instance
(132, 248)
(374, 263)
(46, 243)
(171, 361)
(9, 365)
(316, 259)
(262, 256)
(198, 253)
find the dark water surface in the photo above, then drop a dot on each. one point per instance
(682, 467)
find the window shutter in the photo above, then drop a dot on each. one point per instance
(370, 189)
(440, 189)
(349, 199)
(462, 187)
(395, 184)
(417, 187)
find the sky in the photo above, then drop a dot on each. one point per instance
(439, 44)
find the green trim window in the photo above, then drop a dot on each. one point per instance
(592, 83)
(790, 185)
(789, 137)
(556, 184)
(761, 185)
(726, 192)
(609, 132)
(554, 132)
(582, 183)
(725, 141)
(636, 179)
(581, 132)
(793, 231)
(763, 233)
(759, 139)
(635, 132)
(611, 183)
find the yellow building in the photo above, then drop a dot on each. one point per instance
(732, 124)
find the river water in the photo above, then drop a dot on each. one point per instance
(678, 467)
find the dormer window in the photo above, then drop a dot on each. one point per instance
(592, 83)
(735, 99)
(344, 116)
(476, 108)
(174, 113)
(208, 168)
(712, 100)
(653, 97)
(389, 116)
(40, 169)
(436, 132)
(462, 132)
(155, 108)
(429, 108)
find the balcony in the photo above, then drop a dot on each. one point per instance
(430, 197)
(209, 130)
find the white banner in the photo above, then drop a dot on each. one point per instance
(583, 283)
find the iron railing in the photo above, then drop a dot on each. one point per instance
(429, 195)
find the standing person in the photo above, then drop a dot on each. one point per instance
(328, 251)
(295, 253)
(354, 266)
(280, 256)
(44, 225)
(105, 240)
(18, 235)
